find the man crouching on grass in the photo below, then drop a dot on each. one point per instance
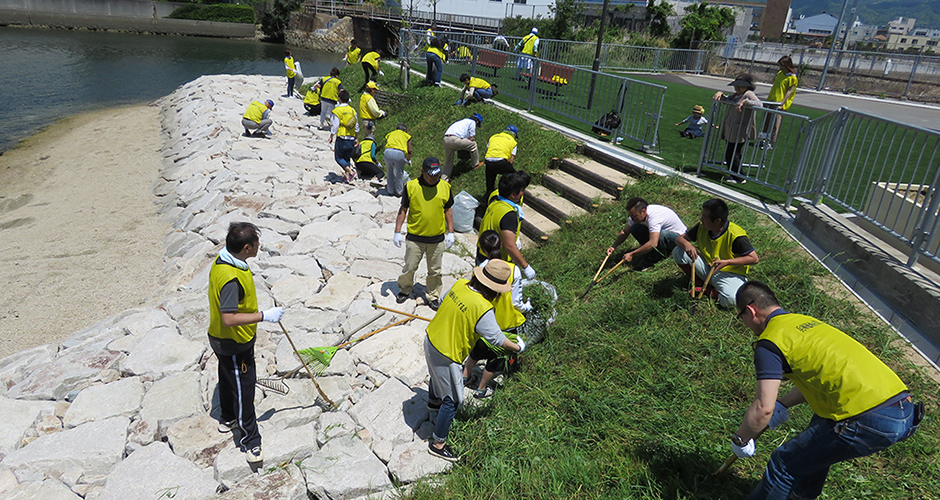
(233, 321)
(860, 405)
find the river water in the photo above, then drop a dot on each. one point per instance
(50, 74)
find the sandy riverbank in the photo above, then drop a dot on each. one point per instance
(79, 236)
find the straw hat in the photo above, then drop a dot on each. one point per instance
(698, 109)
(495, 275)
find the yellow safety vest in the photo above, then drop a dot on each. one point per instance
(426, 209)
(478, 83)
(397, 139)
(219, 275)
(347, 120)
(782, 82)
(352, 55)
(364, 107)
(312, 98)
(720, 248)
(528, 44)
(507, 316)
(435, 50)
(289, 61)
(365, 146)
(839, 377)
(495, 212)
(452, 330)
(256, 111)
(329, 89)
(372, 58)
(501, 146)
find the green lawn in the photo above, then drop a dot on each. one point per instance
(636, 390)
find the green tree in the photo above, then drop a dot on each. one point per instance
(656, 14)
(275, 18)
(567, 14)
(703, 22)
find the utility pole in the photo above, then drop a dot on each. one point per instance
(832, 46)
(597, 53)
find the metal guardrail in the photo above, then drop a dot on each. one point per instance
(474, 23)
(883, 171)
(571, 93)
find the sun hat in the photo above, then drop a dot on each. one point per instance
(698, 109)
(495, 275)
(431, 165)
(743, 80)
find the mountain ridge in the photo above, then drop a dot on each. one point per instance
(875, 12)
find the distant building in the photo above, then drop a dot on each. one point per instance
(822, 25)
(861, 33)
(912, 42)
(901, 26)
(932, 33)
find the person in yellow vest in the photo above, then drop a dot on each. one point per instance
(716, 242)
(352, 53)
(312, 99)
(436, 56)
(500, 155)
(509, 309)
(504, 215)
(466, 314)
(367, 164)
(291, 69)
(344, 126)
(368, 106)
(329, 95)
(258, 119)
(233, 319)
(370, 66)
(529, 46)
(781, 97)
(397, 153)
(474, 89)
(427, 203)
(860, 405)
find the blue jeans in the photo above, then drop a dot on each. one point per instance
(800, 465)
(343, 150)
(445, 416)
(480, 94)
(435, 68)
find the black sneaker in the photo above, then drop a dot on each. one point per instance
(401, 297)
(483, 393)
(444, 452)
(434, 304)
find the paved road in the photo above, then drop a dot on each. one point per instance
(918, 114)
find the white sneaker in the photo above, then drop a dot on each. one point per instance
(226, 427)
(254, 455)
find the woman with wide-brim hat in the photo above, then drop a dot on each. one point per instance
(465, 315)
(738, 125)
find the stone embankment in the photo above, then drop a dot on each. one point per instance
(125, 409)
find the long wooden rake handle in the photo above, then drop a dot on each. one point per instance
(599, 269)
(692, 291)
(386, 327)
(734, 458)
(611, 270)
(403, 313)
(711, 272)
(294, 347)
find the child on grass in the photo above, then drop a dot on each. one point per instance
(695, 121)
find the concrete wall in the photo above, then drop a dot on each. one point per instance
(142, 16)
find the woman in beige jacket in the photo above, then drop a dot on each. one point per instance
(739, 124)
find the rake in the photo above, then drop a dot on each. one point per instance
(294, 347)
(321, 356)
(403, 313)
(274, 385)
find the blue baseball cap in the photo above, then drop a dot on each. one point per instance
(269, 103)
(478, 117)
(514, 130)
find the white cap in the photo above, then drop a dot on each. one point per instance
(535, 29)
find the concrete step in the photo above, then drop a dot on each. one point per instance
(551, 205)
(615, 162)
(537, 227)
(577, 191)
(598, 175)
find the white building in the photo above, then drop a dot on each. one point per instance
(821, 25)
(901, 26)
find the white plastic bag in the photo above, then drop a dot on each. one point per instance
(465, 207)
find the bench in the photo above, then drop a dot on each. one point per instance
(554, 74)
(492, 59)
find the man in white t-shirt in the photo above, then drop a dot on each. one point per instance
(654, 227)
(461, 136)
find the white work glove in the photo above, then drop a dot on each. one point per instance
(448, 241)
(521, 344)
(525, 306)
(272, 315)
(381, 73)
(781, 415)
(529, 272)
(519, 242)
(746, 451)
(398, 239)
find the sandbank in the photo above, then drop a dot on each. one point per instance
(79, 234)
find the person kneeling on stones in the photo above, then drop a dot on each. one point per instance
(509, 309)
(258, 118)
(367, 164)
(466, 314)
